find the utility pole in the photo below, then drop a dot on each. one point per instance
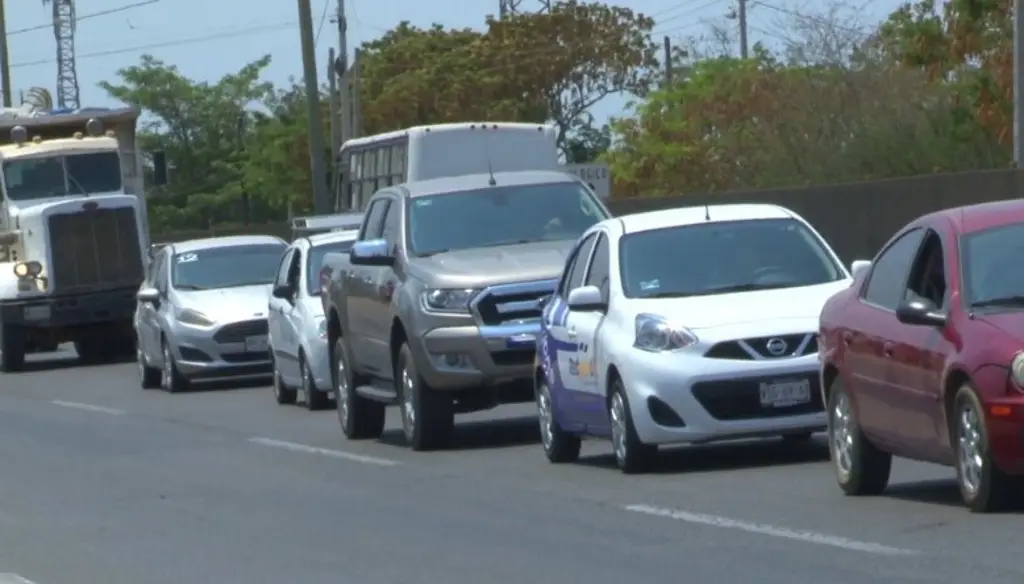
(1018, 84)
(5, 59)
(318, 171)
(668, 61)
(742, 17)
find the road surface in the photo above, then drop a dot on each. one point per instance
(105, 483)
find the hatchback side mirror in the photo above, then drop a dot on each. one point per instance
(282, 291)
(586, 299)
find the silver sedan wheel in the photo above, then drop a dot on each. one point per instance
(167, 371)
(619, 426)
(342, 397)
(545, 417)
(969, 449)
(408, 404)
(842, 436)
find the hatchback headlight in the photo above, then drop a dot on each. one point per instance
(194, 317)
(448, 300)
(655, 335)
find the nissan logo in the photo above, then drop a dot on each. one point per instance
(776, 347)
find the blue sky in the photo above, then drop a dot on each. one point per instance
(208, 38)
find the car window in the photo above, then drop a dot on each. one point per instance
(582, 250)
(282, 271)
(294, 269)
(723, 257)
(501, 215)
(928, 272)
(392, 222)
(374, 224)
(991, 265)
(574, 277)
(597, 275)
(226, 266)
(887, 282)
(315, 261)
(160, 271)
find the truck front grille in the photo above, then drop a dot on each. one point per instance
(512, 303)
(93, 249)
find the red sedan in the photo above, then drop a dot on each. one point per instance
(923, 356)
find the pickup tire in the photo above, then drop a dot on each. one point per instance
(12, 348)
(428, 417)
(360, 418)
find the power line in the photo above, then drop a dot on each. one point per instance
(49, 25)
(323, 19)
(175, 43)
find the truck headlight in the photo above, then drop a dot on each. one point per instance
(28, 269)
(194, 317)
(448, 300)
(655, 335)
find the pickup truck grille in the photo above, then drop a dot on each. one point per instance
(94, 249)
(512, 303)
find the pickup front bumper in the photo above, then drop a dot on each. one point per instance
(467, 357)
(51, 312)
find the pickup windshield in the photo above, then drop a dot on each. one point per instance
(501, 215)
(226, 267)
(724, 257)
(58, 176)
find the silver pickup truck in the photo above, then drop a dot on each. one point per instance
(437, 305)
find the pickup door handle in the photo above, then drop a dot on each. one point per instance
(571, 332)
(887, 349)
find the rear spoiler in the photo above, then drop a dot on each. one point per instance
(303, 226)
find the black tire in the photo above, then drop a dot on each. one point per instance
(864, 469)
(797, 437)
(559, 446)
(994, 490)
(149, 377)
(631, 456)
(360, 418)
(12, 348)
(171, 378)
(428, 417)
(283, 394)
(316, 400)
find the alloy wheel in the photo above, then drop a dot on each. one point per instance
(969, 448)
(408, 404)
(841, 439)
(545, 417)
(342, 395)
(619, 437)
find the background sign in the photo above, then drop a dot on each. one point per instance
(596, 175)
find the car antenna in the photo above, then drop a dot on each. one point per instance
(487, 155)
(707, 212)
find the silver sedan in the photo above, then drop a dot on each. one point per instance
(202, 311)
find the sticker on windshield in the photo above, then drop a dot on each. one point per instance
(187, 257)
(650, 285)
(423, 202)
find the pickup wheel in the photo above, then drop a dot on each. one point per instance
(12, 348)
(861, 468)
(428, 417)
(360, 418)
(983, 486)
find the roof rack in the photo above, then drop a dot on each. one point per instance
(302, 226)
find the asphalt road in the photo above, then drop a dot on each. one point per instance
(104, 483)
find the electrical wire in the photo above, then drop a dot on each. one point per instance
(323, 19)
(49, 25)
(174, 43)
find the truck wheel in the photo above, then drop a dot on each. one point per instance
(149, 377)
(172, 380)
(12, 348)
(283, 394)
(360, 418)
(428, 417)
(316, 400)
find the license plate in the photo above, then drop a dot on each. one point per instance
(37, 312)
(256, 344)
(781, 394)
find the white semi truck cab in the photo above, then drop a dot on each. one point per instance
(73, 233)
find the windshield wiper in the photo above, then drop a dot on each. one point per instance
(746, 288)
(1000, 301)
(75, 182)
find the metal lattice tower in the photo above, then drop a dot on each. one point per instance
(64, 34)
(506, 7)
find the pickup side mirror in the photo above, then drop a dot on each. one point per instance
(371, 252)
(282, 291)
(587, 299)
(920, 312)
(148, 295)
(859, 266)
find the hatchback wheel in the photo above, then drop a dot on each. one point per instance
(559, 445)
(861, 468)
(360, 418)
(149, 377)
(983, 486)
(315, 399)
(631, 455)
(171, 379)
(283, 395)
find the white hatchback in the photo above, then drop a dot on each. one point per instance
(685, 326)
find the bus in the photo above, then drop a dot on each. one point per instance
(424, 152)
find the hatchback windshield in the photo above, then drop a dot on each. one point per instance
(227, 267)
(315, 260)
(717, 258)
(80, 174)
(992, 259)
(500, 216)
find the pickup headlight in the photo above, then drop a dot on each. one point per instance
(654, 334)
(194, 318)
(1017, 370)
(448, 300)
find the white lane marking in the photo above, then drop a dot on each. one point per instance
(296, 447)
(88, 407)
(772, 530)
(14, 579)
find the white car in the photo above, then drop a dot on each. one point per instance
(685, 326)
(298, 329)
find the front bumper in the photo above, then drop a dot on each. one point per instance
(717, 399)
(466, 357)
(200, 357)
(76, 310)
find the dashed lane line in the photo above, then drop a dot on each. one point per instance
(14, 579)
(339, 454)
(87, 408)
(771, 530)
